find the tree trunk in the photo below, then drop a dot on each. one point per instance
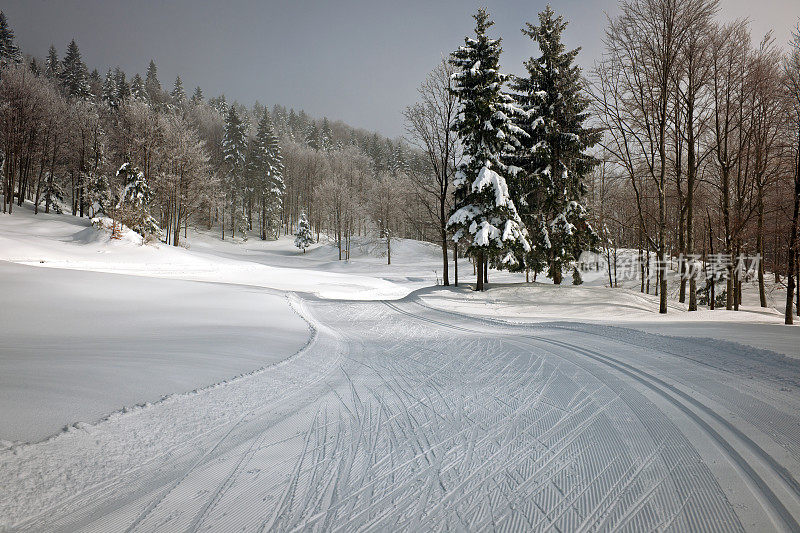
(455, 262)
(479, 271)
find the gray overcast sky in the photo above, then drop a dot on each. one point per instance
(359, 61)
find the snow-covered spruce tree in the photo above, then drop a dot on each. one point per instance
(74, 75)
(265, 172)
(484, 215)
(134, 201)
(109, 92)
(138, 91)
(9, 52)
(304, 237)
(234, 146)
(52, 66)
(178, 95)
(553, 158)
(197, 97)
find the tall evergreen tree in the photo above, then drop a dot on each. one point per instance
(178, 95)
(109, 91)
(151, 83)
(74, 75)
(138, 91)
(9, 52)
(554, 156)
(233, 151)
(123, 90)
(52, 67)
(197, 97)
(484, 214)
(265, 172)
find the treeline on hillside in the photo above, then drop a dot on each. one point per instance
(82, 141)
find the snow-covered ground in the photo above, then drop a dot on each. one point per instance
(412, 407)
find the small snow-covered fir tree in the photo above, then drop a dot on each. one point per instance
(304, 237)
(121, 84)
(134, 201)
(553, 156)
(484, 214)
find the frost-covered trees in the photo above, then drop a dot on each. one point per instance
(304, 237)
(484, 215)
(233, 152)
(134, 201)
(553, 156)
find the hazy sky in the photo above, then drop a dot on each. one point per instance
(359, 61)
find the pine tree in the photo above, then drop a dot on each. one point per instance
(95, 84)
(304, 237)
(121, 86)
(36, 70)
(197, 97)
(74, 75)
(151, 83)
(219, 104)
(138, 91)
(326, 135)
(265, 168)
(52, 69)
(484, 214)
(9, 52)
(135, 200)
(233, 151)
(178, 95)
(109, 91)
(553, 158)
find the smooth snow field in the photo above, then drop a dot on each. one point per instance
(81, 344)
(368, 399)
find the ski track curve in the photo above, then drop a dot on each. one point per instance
(398, 416)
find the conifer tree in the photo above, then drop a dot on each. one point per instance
(304, 237)
(138, 91)
(178, 95)
(121, 86)
(151, 83)
(553, 157)
(265, 171)
(326, 135)
(52, 67)
(135, 200)
(109, 91)
(484, 213)
(74, 75)
(233, 151)
(197, 97)
(9, 52)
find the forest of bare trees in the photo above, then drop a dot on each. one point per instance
(700, 144)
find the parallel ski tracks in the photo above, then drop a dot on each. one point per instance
(695, 410)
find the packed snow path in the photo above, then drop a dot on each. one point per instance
(398, 416)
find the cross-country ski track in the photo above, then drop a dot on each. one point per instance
(399, 416)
